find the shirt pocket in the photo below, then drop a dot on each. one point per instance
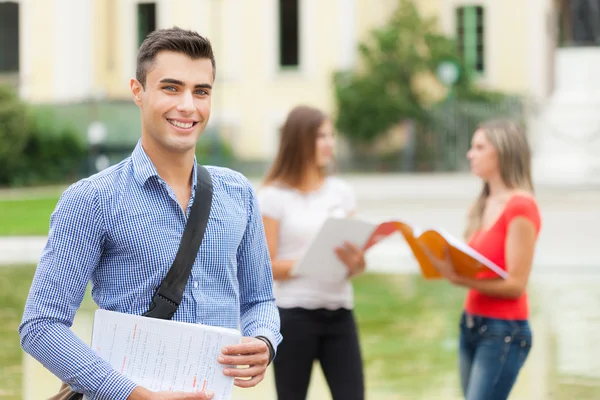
(218, 253)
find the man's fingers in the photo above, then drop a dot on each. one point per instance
(249, 372)
(252, 359)
(247, 383)
(205, 395)
(249, 347)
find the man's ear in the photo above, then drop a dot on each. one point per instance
(136, 90)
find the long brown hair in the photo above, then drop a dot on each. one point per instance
(514, 163)
(297, 146)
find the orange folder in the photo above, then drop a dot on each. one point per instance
(467, 262)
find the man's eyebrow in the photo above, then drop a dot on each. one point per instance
(203, 86)
(180, 83)
(173, 81)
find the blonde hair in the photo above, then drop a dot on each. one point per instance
(514, 163)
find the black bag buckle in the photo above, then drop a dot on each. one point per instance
(161, 307)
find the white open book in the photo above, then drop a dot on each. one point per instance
(321, 262)
(163, 355)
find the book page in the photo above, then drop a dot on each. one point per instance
(320, 260)
(163, 355)
(463, 247)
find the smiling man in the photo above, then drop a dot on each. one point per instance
(121, 228)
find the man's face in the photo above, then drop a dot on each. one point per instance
(175, 103)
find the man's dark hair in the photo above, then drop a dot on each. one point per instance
(174, 39)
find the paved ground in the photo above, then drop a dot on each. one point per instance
(566, 274)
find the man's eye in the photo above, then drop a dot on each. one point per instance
(170, 88)
(202, 92)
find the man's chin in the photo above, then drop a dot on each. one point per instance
(182, 145)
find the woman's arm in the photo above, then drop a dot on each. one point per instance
(520, 249)
(281, 268)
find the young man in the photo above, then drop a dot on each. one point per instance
(121, 229)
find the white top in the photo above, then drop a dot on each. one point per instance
(300, 216)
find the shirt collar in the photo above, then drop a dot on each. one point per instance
(143, 168)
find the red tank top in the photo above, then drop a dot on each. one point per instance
(491, 244)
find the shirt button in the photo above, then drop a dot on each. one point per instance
(195, 284)
(507, 339)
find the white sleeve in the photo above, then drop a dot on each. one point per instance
(270, 202)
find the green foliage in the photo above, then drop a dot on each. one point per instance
(447, 135)
(212, 149)
(51, 156)
(14, 131)
(34, 148)
(382, 93)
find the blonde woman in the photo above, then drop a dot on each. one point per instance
(317, 319)
(503, 225)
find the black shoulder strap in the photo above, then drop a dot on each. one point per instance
(170, 292)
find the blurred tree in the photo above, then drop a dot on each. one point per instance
(384, 90)
(15, 130)
(34, 149)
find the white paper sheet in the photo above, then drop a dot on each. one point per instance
(320, 260)
(163, 355)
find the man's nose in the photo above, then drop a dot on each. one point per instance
(186, 102)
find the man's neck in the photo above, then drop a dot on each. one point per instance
(174, 168)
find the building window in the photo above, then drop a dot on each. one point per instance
(9, 37)
(470, 34)
(289, 29)
(146, 20)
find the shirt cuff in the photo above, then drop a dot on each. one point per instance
(115, 387)
(270, 346)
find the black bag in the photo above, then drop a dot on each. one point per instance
(169, 294)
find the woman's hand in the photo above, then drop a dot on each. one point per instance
(444, 265)
(353, 257)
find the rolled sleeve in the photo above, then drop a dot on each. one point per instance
(71, 254)
(115, 386)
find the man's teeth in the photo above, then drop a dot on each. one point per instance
(184, 125)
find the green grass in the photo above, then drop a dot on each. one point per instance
(409, 331)
(26, 216)
(566, 387)
(406, 326)
(14, 286)
(576, 388)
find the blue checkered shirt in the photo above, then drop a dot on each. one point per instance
(120, 229)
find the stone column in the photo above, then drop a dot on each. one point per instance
(567, 129)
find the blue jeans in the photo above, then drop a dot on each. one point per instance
(491, 353)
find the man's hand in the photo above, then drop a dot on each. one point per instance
(253, 353)
(140, 393)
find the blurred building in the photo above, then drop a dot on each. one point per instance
(271, 54)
